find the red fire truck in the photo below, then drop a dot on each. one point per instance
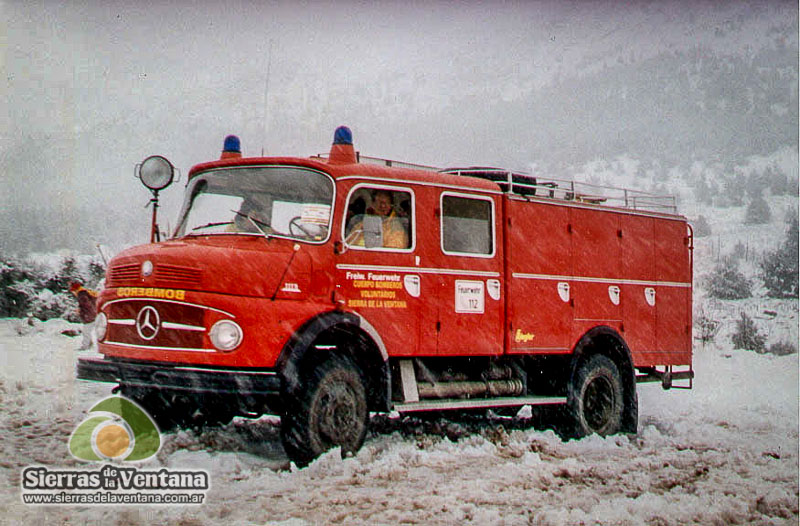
(322, 289)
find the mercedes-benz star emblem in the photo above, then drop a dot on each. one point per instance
(148, 323)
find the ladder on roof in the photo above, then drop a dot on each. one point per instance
(526, 184)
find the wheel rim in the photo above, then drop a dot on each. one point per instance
(339, 420)
(598, 403)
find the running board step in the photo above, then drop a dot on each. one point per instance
(477, 403)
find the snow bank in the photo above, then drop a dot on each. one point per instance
(724, 452)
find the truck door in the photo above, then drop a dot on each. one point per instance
(470, 280)
(375, 274)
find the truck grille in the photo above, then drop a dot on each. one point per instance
(124, 273)
(178, 275)
(131, 274)
(167, 325)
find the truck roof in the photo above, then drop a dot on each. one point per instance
(344, 162)
(412, 173)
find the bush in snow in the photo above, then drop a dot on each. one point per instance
(15, 289)
(727, 283)
(782, 349)
(758, 212)
(747, 336)
(779, 269)
(707, 328)
(40, 286)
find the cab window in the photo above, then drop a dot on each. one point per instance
(379, 218)
(467, 225)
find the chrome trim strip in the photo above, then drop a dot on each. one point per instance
(421, 270)
(421, 183)
(424, 405)
(156, 348)
(523, 275)
(181, 326)
(170, 301)
(226, 371)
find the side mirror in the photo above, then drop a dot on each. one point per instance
(373, 232)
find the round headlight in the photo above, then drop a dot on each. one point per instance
(101, 326)
(226, 335)
(156, 172)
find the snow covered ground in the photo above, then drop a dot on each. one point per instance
(725, 452)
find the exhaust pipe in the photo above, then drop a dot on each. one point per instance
(513, 387)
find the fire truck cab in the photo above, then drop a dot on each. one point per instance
(321, 289)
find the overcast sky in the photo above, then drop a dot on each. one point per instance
(91, 88)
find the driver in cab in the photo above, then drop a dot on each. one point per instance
(394, 231)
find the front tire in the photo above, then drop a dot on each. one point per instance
(596, 399)
(330, 411)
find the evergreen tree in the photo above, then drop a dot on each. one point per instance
(747, 335)
(727, 283)
(777, 180)
(779, 269)
(758, 212)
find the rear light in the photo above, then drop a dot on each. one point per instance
(101, 326)
(226, 335)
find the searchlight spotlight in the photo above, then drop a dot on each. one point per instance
(156, 172)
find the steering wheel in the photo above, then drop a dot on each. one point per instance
(295, 223)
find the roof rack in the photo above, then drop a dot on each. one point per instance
(526, 184)
(385, 162)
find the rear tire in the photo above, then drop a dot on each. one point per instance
(330, 411)
(596, 400)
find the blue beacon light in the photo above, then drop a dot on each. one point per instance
(232, 144)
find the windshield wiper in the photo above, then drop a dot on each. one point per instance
(255, 222)
(209, 225)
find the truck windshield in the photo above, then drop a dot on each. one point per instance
(276, 201)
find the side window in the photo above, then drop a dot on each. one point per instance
(467, 225)
(379, 218)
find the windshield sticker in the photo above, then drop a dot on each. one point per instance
(316, 214)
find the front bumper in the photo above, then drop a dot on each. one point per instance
(179, 378)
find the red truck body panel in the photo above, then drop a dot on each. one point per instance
(555, 269)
